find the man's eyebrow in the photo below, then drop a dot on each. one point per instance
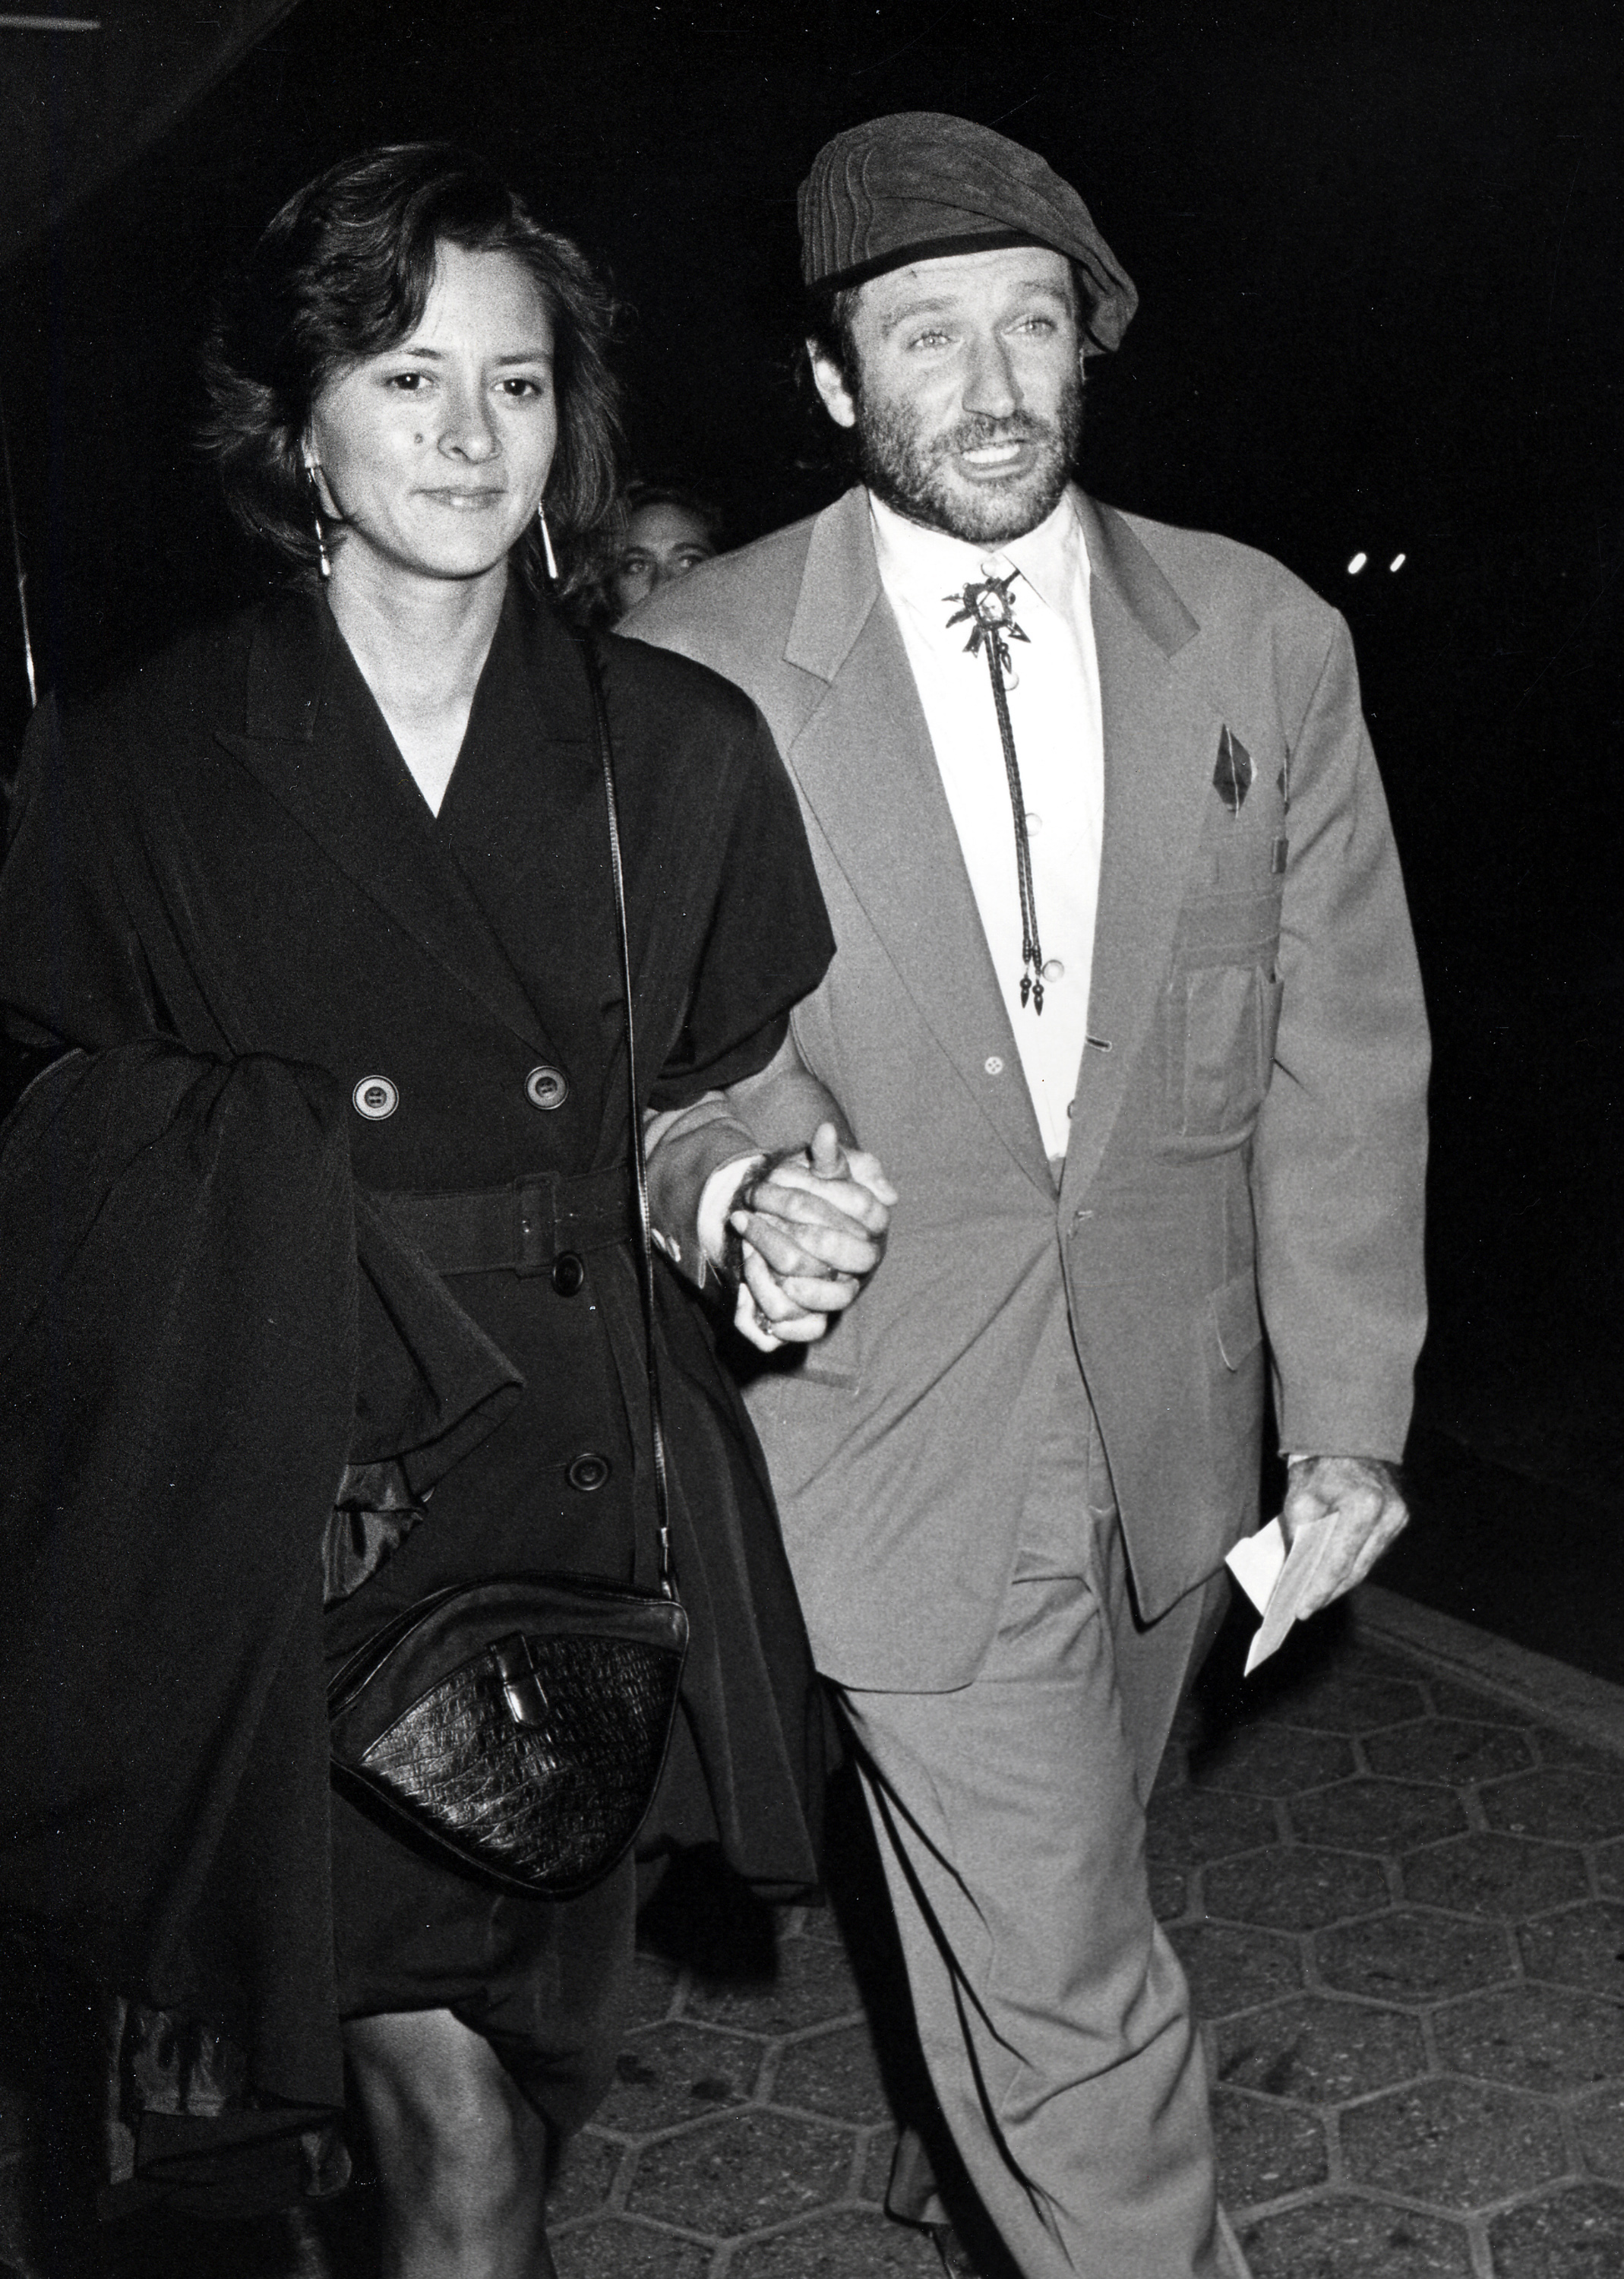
(932, 303)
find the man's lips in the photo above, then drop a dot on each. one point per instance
(1012, 455)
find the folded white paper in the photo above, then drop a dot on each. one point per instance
(1277, 1581)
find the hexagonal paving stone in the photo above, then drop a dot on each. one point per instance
(1582, 1946)
(833, 2073)
(1412, 1958)
(814, 1984)
(1355, 1699)
(1576, 2234)
(1610, 1868)
(1535, 2037)
(1273, 1761)
(851, 2245)
(1445, 1749)
(617, 2250)
(585, 2177)
(1599, 2132)
(1265, 2151)
(1292, 1887)
(1572, 1807)
(1356, 2239)
(1458, 2144)
(875, 2178)
(1494, 1875)
(1233, 1969)
(1190, 1826)
(742, 2173)
(1377, 1815)
(668, 2073)
(1320, 2049)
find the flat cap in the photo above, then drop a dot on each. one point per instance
(921, 183)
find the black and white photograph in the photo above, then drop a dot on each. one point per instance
(811, 1247)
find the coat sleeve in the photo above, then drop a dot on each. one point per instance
(72, 970)
(1340, 1153)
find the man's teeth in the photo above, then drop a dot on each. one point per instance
(992, 455)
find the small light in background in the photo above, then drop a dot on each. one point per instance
(1397, 561)
(1357, 565)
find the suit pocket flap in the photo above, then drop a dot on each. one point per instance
(1236, 1319)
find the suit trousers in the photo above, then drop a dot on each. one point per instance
(1054, 2016)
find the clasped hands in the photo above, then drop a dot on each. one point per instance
(804, 1232)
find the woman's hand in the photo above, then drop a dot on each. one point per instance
(811, 1227)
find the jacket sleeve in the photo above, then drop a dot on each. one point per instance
(1340, 1153)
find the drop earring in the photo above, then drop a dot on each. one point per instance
(321, 535)
(547, 545)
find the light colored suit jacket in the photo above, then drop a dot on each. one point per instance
(1248, 1131)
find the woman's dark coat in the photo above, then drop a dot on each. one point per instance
(226, 854)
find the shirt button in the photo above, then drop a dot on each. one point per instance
(1055, 970)
(1071, 1109)
(547, 1087)
(587, 1472)
(993, 1064)
(569, 1273)
(1034, 822)
(375, 1097)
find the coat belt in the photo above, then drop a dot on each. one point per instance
(523, 1226)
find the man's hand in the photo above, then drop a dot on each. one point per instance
(811, 1228)
(1360, 1496)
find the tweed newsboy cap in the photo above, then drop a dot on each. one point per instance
(921, 183)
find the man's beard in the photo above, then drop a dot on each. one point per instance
(911, 473)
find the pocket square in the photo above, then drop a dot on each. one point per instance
(1232, 777)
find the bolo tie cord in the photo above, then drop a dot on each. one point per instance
(991, 613)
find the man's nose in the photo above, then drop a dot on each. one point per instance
(990, 386)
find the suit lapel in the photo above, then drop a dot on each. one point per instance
(316, 740)
(865, 761)
(1160, 732)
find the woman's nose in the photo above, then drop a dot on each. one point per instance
(468, 432)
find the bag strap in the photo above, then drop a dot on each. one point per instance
(639, 1167)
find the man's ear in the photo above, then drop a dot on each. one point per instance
(831, 385)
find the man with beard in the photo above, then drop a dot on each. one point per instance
(1125, 1000)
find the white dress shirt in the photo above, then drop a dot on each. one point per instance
(1055, 713)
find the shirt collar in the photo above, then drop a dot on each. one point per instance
(921, 567)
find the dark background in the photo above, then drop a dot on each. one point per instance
(1379, 248)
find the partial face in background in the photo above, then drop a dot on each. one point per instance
(968, 393)
(663, 539)
(436, 452)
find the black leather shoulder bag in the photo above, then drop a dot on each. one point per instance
(522, 1725)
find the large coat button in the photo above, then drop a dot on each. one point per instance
(569, 1273)
(547, 1087)
(375, 1097)
(588, 1471)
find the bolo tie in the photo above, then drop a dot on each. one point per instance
(990, 613)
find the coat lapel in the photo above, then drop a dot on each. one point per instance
(864, 758)
(316, 740)
(1160, 730)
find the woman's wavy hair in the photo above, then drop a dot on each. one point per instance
(344, 272)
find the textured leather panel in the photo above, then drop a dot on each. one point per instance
(552, 1802)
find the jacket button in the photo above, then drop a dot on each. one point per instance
(547, 1087)
(569, 1273)
(588, 1472)
(993, 1064)
(375, 1097)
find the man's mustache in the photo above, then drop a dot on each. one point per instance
(977, 434)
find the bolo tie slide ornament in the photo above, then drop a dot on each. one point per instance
(989, 614)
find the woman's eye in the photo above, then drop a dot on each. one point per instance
(407, 382)
(519, 387)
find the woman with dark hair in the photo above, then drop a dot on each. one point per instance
(338, 1172)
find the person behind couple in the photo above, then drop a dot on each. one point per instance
(359, 836)
(1125, 998)
(669, 531)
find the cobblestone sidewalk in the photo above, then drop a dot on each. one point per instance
(1400, 1900)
